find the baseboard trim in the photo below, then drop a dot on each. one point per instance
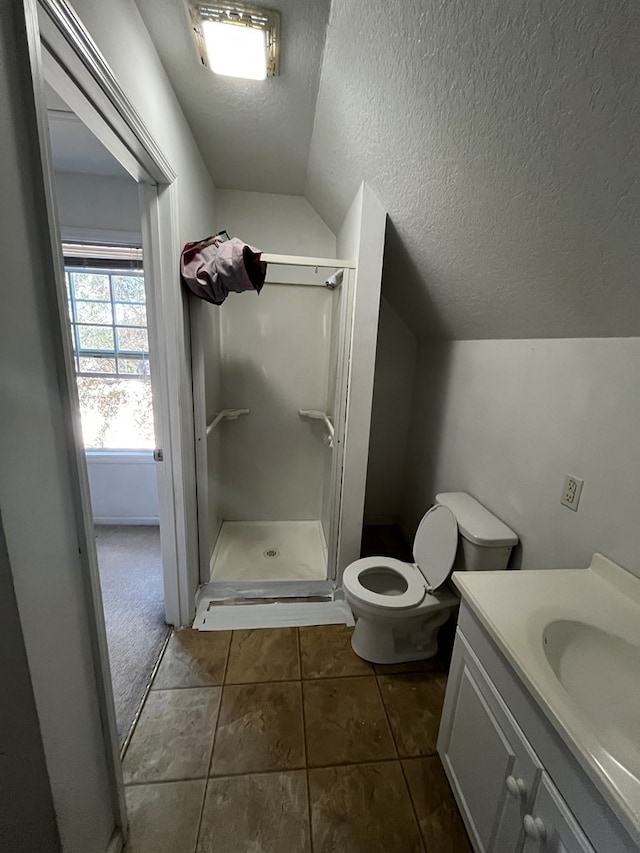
(381, 520)
(152, 521)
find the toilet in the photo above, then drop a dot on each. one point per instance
(400, 606)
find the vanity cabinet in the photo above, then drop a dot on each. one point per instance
(508, 802)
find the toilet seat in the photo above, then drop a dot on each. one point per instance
(408, 573)
(434, 549)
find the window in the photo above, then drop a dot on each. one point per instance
(107, 312)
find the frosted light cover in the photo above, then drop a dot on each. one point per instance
(236, 51)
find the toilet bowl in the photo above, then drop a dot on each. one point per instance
(400, 606)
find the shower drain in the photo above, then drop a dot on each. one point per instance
(271, 552)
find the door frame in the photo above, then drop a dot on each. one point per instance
(341, 407)
(63, 52)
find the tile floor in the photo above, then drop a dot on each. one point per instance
(283, 741)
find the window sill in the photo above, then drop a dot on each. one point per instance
(113, 457)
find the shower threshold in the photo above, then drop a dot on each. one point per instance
(217, 615)
(263, 551)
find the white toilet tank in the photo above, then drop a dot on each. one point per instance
(485, 541)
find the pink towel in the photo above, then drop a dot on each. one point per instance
(215, 267)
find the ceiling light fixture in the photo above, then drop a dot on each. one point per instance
(237, 41)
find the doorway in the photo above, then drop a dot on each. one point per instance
(63, 53)
(105, 291)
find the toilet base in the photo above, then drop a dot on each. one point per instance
(382, 642)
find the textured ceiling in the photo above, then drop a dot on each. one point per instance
(253, 135)
(73, 147)
(503, 138)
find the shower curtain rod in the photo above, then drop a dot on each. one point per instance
(301, 261)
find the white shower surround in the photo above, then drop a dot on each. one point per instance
(274, 361)
(289, 225)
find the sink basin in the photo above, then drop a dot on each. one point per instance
(601, 674)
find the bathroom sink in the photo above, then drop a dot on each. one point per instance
(601, 674)
(573, 638)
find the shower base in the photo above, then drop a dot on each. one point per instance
(269, 550)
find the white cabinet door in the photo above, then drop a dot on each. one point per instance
(550, 827)
(491, 767)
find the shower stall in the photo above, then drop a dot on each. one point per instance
(275, 381)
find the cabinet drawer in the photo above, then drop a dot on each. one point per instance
(491, 767)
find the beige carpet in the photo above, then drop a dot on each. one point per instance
(131, 580)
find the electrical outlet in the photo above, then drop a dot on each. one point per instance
(571, 492)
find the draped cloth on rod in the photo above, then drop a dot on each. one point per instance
(215, 267)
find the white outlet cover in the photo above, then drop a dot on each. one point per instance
(571, 491)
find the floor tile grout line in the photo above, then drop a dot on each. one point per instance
(166, 781)
(386, 716)
(264, 683)
(413, 805)
(404, 775)
(204, 800)
(213, 741)
(280, 770)
(304, 738)
(270, 681)
(181, 689)
(362, 761)
(299, 653)
(261, 772)
(304, 727)
(185, 687)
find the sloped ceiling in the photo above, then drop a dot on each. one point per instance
(503, 140)
(501, 137)
(253, 135)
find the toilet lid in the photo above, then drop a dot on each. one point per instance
(435, 545)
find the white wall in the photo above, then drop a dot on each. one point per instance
(98, 207)
(124, 487)
(281, 224)
(506, 420)
(501, 138)
(361, 238)
(27, 818)
(392, 394)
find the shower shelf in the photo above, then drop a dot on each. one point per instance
(225, 415)
(316, 415)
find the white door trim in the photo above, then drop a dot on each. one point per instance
(341, 407)
(197, 319)
(73, 64)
